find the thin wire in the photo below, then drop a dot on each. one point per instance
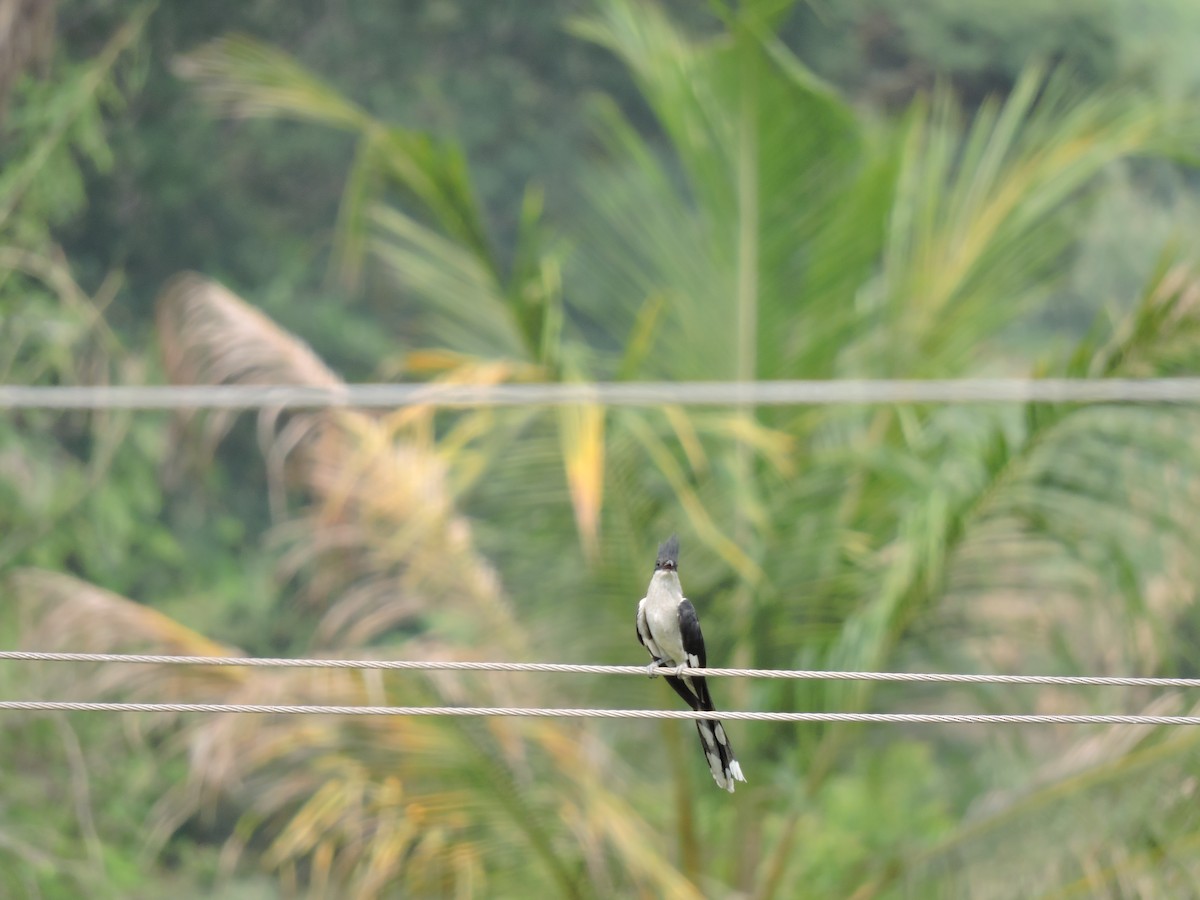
(583, 669)
(445, 711)
(704, 393)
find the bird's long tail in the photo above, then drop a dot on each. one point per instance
(713, 740)
(721, 762)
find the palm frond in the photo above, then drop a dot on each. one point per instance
(245, 78)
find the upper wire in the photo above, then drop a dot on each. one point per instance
(708, 393)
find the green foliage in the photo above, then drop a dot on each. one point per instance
(717, 257)
(887, 51)
(79, 493)
(881, 808)
(740, 219)
(75, 819)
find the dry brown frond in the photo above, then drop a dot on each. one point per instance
(210, 336)
(357, 798)
(386, 541)
(63, 613)
(382, 542)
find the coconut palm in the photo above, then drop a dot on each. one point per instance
(768, 231)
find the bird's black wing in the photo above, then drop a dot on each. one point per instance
(693, 690)
(693, 646)
(642, 628)
(693, 639)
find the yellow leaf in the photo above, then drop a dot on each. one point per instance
(581, 431)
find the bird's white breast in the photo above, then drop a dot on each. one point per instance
(662, 615)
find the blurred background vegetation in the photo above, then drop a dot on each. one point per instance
(265, 192)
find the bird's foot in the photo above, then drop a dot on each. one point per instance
(652, 669)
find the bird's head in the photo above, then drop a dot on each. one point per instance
(668, 555)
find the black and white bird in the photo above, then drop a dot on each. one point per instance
(668, 628)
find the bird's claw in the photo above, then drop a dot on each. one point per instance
(652, 668)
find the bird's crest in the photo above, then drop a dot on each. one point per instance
(668, 554)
